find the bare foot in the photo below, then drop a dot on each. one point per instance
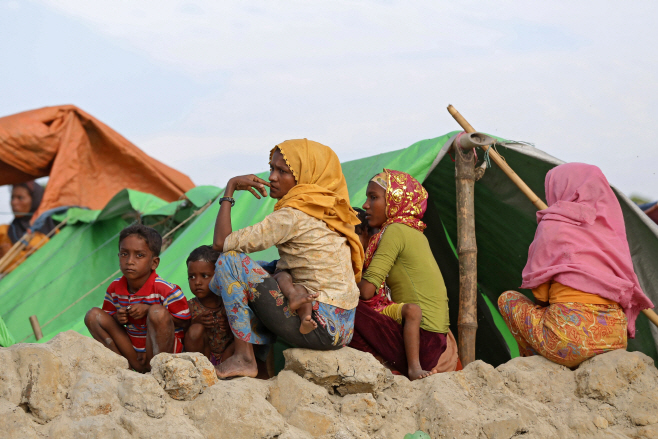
(299, 297)
(237, 366)
(308, 325)
(416, 374)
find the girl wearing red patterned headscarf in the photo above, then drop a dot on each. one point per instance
(409, 329)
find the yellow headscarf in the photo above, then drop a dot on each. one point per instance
(321, 191)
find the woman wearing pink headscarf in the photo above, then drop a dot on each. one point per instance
(579, 268)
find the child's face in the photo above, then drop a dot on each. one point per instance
(199, 275)
(136, 259)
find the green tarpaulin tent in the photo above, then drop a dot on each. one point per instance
(52, 282)
(83, 255)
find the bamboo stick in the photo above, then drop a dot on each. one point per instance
(651, 315)
(15, 250)
(467, 251)
(36, 328)
(539, 204)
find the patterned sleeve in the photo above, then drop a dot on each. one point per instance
(109, 305)
(176, 304)
(276, 228)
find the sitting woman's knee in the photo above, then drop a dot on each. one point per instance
(505, 297)
(411, 311)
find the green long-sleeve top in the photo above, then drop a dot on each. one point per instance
(405, 260)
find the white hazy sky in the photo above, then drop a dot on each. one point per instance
(208, 87)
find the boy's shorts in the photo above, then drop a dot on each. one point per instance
(393, 311)
(139, 343)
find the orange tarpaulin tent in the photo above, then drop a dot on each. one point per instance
(87, 161)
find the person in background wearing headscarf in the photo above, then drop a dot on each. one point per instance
(587, 295)
(25, 200)
(312, 227)
(409, 331)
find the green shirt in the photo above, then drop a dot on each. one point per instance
(404, 255)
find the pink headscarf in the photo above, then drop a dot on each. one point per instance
(581, 241)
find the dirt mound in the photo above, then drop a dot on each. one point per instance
(74, 387)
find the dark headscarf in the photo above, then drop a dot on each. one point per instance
(19, 226)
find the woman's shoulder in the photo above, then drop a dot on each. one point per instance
(288, 213)
(303, 218)
(401, 231)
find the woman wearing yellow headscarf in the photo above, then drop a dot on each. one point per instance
(312, 226)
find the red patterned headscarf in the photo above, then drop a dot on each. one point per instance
(406, 203)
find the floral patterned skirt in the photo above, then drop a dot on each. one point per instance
(258, 312)
(565, 333)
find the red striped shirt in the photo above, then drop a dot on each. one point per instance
(155, 291)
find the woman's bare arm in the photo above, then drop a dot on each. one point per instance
(223, 226)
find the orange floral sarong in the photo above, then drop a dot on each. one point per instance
(565, 333)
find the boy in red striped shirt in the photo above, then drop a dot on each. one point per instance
(143, 315)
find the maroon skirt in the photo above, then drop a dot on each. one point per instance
(382, 336)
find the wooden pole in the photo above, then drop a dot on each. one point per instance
(539, 204)
(467, 251)
(36, 328)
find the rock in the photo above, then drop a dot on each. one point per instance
(236, 409)
(289, 392)
(10, 380)
(644, 409)
(15, 423)
(93, 395)
(399, 413)
(600, 422)
(295, 433)
(581, 423)
(604, 376)
(650, 432)
(141, 426)
(520, 376)
(345, 370)
(363, 410)
(183, 376)
(81, 354)
(57, 389)
(44, 384)
(318, 421)
(141, 393)
(607, 412)
(98, 427)
(446, 411)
